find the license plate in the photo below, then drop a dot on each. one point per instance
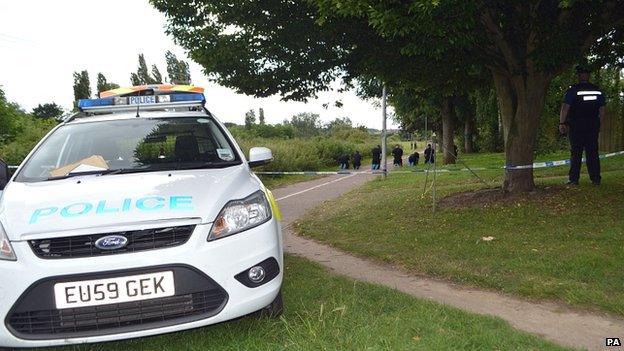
(140, 100)
(114, 290)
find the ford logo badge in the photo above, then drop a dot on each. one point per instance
(111, 242)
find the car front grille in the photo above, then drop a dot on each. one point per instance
(35, 316)
(84, 245)
(75, 321)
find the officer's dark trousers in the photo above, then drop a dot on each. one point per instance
(588, 141)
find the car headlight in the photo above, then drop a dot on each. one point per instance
(241, 215)
(6, 250)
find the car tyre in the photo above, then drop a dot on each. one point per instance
(275, 308)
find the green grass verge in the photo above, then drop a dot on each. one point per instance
(564, 246)
(325, 312)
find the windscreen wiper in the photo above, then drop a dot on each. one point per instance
(199, 165)
(210, 164)
(76, 174)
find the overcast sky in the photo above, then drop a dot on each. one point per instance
(43, 42)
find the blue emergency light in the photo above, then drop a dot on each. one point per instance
(95, 102)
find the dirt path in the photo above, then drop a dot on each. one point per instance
(551, 321)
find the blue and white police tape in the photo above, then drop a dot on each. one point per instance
(375, 172)
(557, 163)
(545, 164)
(310, 173)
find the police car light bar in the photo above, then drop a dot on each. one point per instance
(144, 102)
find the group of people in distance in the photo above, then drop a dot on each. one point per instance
(397, 154)
(412, 159)
(344, 160)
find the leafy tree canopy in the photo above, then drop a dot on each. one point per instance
(158, 78)
(8, 114)
(48, 110)
(250, 118)
(143, 76)
(178, 70)
(276, 47)
(82, 85)
(103, 84)
(305, 124)
(339, 123)
(261, 120)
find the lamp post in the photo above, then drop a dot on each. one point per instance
(384, 132)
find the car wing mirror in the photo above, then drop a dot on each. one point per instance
(259, 156)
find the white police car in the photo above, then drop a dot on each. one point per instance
(137, 216)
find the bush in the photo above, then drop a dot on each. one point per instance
(19, 132)
(27, 133)
(277, 131)
(307, 154)
(295, 153)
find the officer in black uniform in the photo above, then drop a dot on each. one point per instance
(376, 152)
(582, 113)
(357, 160)
(428, 154)
(398, 156)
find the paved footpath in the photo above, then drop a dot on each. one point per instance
(551, 321)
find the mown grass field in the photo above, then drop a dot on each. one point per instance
(562, 243)
(325, 312)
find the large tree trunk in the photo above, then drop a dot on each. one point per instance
(447, 113)
(439, 136)
(437, 144)
(521, 102)
(610, 134)
(469, 134)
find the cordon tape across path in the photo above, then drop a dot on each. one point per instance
(536, 165)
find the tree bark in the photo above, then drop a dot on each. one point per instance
(447, 113)
(521, 102)
(469, 131)
(610, 130)
(437, 145)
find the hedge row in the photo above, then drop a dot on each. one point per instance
(308, 154)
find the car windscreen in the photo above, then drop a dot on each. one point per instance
(128, 146)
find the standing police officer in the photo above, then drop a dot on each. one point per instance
(376, 152)
(582, 113)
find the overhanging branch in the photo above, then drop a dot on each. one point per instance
(498, 38)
